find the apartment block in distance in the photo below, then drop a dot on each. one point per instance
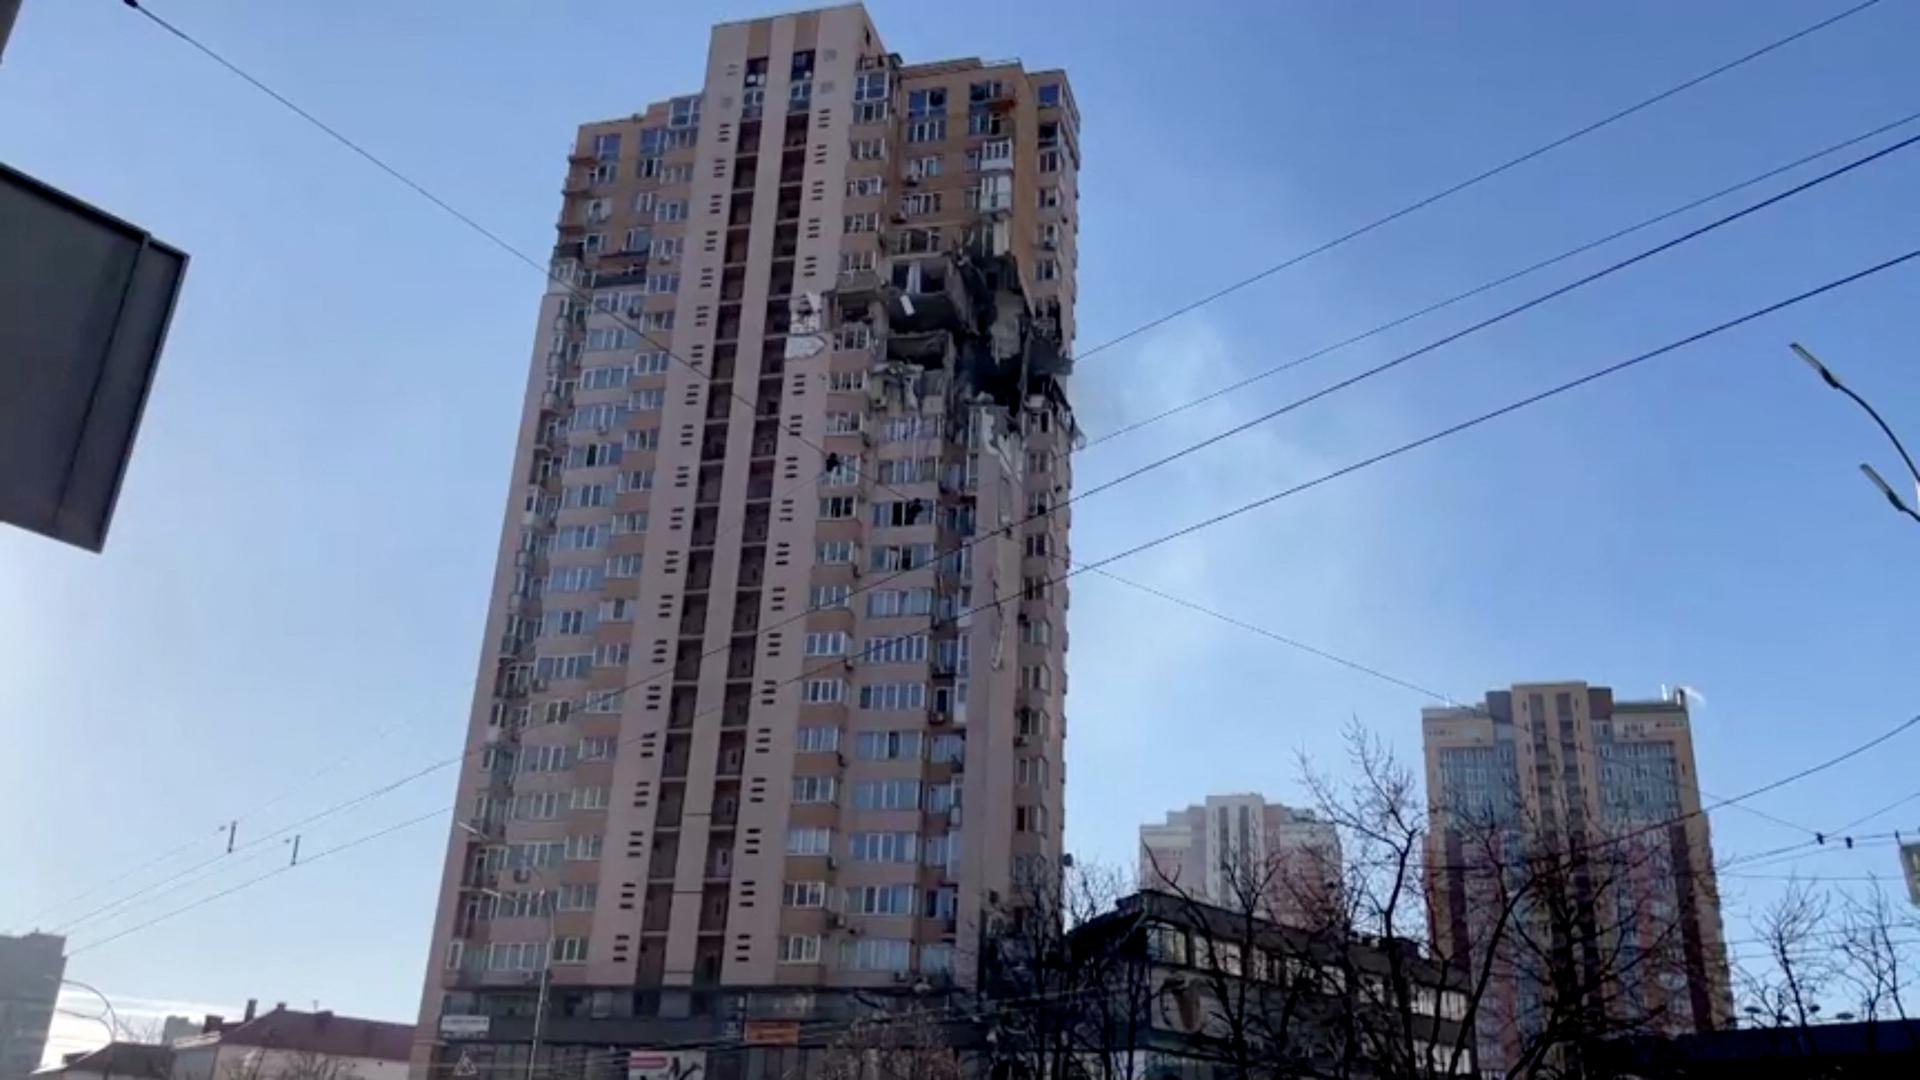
(1604, 793)
(1233, 850)
(31, 967)
(770, 707)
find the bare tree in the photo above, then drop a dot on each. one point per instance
(912, 1045)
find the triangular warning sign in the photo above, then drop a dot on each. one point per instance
(465, 1066)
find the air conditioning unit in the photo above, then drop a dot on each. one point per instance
(837, 921)
(1023, 740)
(833, 863)
(912, 181)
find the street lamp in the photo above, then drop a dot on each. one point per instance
(1893, 497)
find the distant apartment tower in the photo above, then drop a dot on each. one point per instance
(1234, 848)
(770, 701)
(31, 967)
(1604, 796)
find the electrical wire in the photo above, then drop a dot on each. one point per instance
(420, 189)
(1488, 174)
(1505, 279)
(1325, 478)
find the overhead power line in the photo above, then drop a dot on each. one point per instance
(1480, 177)
(1329, 477)
(1505, 279)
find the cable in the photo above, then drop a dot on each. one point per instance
(250, 882)
(1488, 174)
(643, 335)
(1328, 477)
(1495, 283)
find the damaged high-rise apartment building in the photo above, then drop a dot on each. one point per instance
(770, 707)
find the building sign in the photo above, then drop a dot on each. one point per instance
(462, 1026)
(667, 1065)
(773, 1033)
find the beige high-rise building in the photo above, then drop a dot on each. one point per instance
(1567, 834)
(1242, 852)
(770, 706)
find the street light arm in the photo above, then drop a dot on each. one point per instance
(1834, 381)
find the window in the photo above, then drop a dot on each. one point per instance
(1037, 677)
(1050, 161)
(624, 566)
(893, 697)
(656, 320)
(879, 900)
(677, 174)
(632, 521)
(838, 507)
(866, 185)
(590, 798)
(853, 336)
(860, 223)
(594, 243)
(1039, 546)
(599, 748)
(538, 806)
(1035, 632)
(887, 795)
(924, 168)
(942, 797)
(661, 284)
(804, 894)
(920, 131)
(1030, 722)
(612, 611)
(834, 552)
(909, 470)
(825, 597)
(924, 202)
(844, 473)
(1047, 95)
(1036, 588)
(869, 149)
(875, 954)
(870, 86)
(843, 423)
(684, 112)
(670, 210)
(1046, 270)
(598, 211)
(647, 400)
(809, 841)
(643, 439)
(604, 173)
(929, 102)
(813, 789)
(635, 479)
(991, 193)
(904, 649)
(895, 847)
(816, 740)
(666, 247)
(985, 122)
(857, 262)
(800, 949)
(584, 848)
(997, 150)
(593, 455)
(572, 579)
(579, 537)
(618, 337)
(580, 896)
(887, 745)
(936, 958)
(1030, 819)
(846, 381)
(870, 112)
(616, 654)
(605, 378)
(947, 748)
(823, 691)
(651, 363)
(579, 496)
(902, 513)
(891, 603)
(827, 643)
(607, 146)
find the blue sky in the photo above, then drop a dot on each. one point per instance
(296, 579)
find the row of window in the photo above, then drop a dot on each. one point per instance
(879, 794)
(890, 847)
(871, 954)
(885, 745)
(938, 903)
